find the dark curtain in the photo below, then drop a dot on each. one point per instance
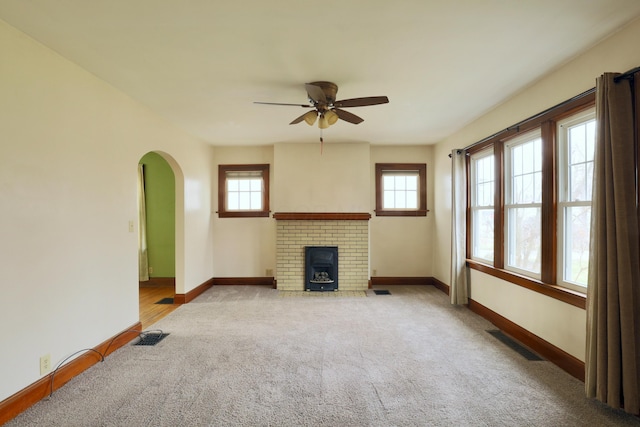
(612, 359)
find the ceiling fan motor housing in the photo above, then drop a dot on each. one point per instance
(329, 89)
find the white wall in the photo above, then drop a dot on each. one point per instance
(341, 178)
(335, 179)
(243, 247)
(530, 310)
(402, 246)
(70, 148)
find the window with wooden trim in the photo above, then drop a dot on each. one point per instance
(576, 149)
(523, 204)
(243, 191)
(401, 189)
(542, 195)
(482, 206)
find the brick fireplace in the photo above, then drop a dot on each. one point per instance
(349, 232)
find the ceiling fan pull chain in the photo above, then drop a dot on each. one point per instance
(321, 142)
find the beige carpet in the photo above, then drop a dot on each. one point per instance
(246, 356)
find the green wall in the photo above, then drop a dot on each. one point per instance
(160, 196)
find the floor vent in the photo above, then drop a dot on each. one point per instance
(381, 292)
(151, 339)
(527, 354)
(165, 301)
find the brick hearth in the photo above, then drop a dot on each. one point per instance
(349, 232)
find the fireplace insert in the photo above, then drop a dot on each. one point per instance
(321, 268)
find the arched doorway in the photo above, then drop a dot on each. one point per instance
(159, 211)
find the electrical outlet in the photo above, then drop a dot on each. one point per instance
(150, 270)
(45, 364)
(374, 272)
(269, 272)
(130, 226)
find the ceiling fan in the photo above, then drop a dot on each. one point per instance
(322, 96)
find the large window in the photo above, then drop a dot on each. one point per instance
(482, 205)
(530, 201)
(523, 203)
(243, 191)
(401, 189)
(576, 137)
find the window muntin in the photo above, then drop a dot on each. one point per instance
(482, 205)
(401, 189)
(576, 148)
(243, 191)
(523, 204)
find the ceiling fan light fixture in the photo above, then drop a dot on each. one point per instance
(331, 117)
(310, 117)
(323, 123)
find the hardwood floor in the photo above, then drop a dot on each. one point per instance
(150, 312)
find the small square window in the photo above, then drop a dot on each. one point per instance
(243, 191)
(401, 189)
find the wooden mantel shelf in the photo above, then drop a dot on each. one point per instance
(322, 216)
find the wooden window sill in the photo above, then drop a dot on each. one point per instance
(560, 293)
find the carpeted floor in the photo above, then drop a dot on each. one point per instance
(245, 356)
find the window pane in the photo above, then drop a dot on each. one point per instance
(578, 183)
(591, 139)
(527, 157)
(527, 189)
(400, 182)
(400, 199)
(525, 180)
(488, 190)
(516, 161)
(243, 201)
(485, 166)
(484, 183)
(412, 183)
(589, 180)
(523, 251)
(537, 182)
(232, 185)
(256, 185)
(576, 244)
(537, 154)
(577, 144)
(388, 182)
(232, 201)
(256, 200)
(412, 200)
(388, 200)
(483, 234)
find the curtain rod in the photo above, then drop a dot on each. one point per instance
(627, 75)
(517, 125)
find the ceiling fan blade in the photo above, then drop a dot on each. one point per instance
(315, 93)
(361, 102)
(299, 119)
(347, 116)
(279, 103)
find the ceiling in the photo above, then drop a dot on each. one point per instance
(201, 63)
